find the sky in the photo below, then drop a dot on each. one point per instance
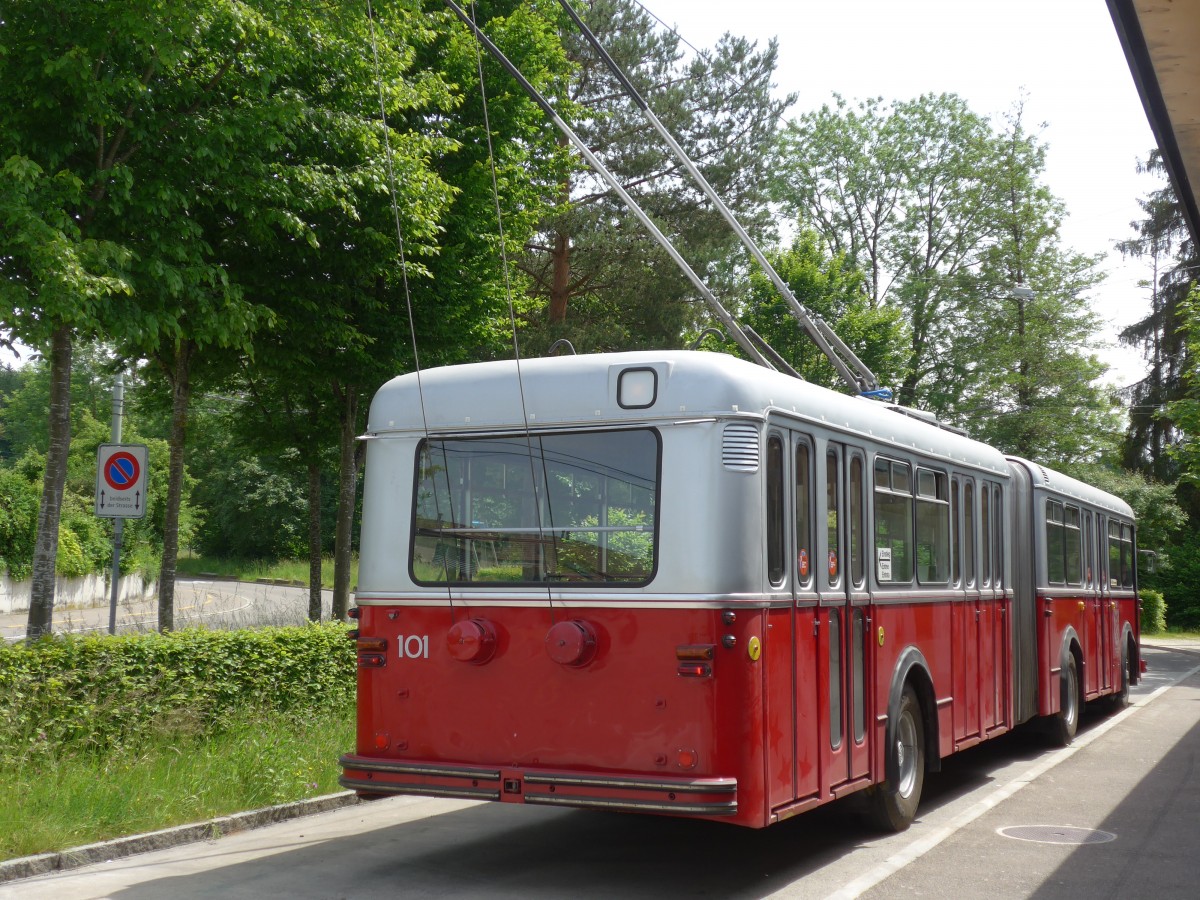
(1061, 56)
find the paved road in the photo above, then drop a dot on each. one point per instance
(1133, 775)
(216, 603)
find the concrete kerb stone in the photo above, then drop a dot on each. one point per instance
(118, 848)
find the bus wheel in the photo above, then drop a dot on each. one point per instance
(1066, 722)
(893, 807)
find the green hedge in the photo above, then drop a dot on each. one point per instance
(103, 693)
(1154, 612)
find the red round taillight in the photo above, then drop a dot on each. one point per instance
(472, 641)
(571, 643)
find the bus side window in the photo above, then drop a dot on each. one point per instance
(969, 530)
(1114, 554)
(832, 541)
(857, 476)
(804, 546)
(1056, 572)
(985, 534)
(998, 536)
(933, 535)
(955, 532)
(893, 522)
(776, 532)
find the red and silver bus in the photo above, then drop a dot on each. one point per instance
(679, 583)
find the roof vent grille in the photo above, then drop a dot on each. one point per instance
(739, 448)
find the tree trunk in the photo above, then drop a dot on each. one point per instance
(180, 395)
(560, 278)
(314, 541)
(347, 485)
(45, 552)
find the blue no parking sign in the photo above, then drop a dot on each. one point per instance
(121, 472)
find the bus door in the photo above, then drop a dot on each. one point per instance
(844, 612)
(993, 610)
(807, 675)
(1110, 659)
(966, 623)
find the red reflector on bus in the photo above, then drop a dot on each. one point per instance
(371, 661)
(572, 643)
(372, 645)
(472, 641)
(695, 670)
(695, 651)
(686, 759)
(382, 741)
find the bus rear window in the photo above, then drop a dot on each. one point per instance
(541, 508)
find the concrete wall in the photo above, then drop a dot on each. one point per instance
(90, 590)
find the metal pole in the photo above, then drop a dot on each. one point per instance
(118, 410)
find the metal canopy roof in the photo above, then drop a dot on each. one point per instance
(1160, 39)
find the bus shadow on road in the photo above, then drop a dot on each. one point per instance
(505, 850)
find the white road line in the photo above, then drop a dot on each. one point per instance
(927, 842)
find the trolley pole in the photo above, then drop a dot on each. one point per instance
(118, 410)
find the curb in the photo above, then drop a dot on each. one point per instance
(118, 848)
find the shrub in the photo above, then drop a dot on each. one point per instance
(19, 499)
(1154, 612)
(1178, 580)
(98, 694)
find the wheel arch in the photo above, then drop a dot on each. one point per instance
(911, 668)
(1132, 653)
(1070, 646)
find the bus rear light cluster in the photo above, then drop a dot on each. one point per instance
(572, 643)
(472, 641)
(695, 660)
(372, 651)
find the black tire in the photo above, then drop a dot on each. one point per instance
(1065, 723)
(1120, 699)
(893, 807)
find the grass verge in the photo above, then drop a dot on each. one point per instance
(252, 570)
(58, 800)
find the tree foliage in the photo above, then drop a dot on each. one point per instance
(598, 276)
(829, 286)
(1162, 238)
(951, 222)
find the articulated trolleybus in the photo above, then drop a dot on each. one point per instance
(680, 583)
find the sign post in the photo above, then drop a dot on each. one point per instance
(122, 471)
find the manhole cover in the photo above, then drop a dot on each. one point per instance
(1057, 834)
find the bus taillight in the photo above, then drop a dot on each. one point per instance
(695, 660)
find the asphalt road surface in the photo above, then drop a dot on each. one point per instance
(1113, 815)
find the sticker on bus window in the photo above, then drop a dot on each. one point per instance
(884, 557)
(833, 564)
(802, 562)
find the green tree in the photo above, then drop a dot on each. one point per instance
(834, 289)
(952, 223)
(1025, 379)
(90, 189)
(909, 190)
(599, 278)
(1162, 238)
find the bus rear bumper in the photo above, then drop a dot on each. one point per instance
(371, 777)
